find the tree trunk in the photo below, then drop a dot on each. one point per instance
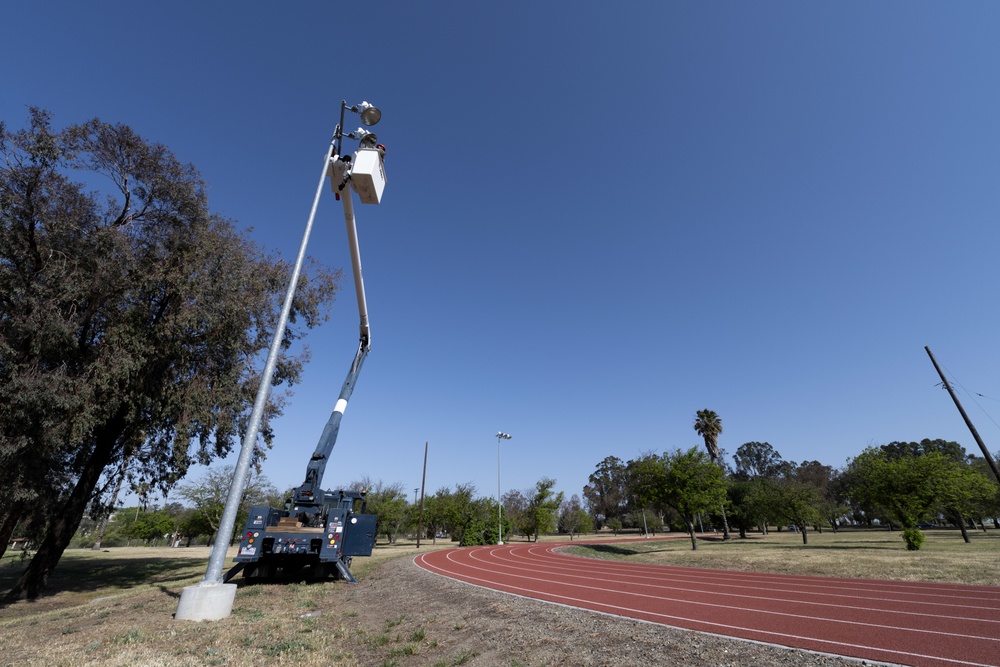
(805, 534)
(694, 537)
(959, 521)
(66, 520)
(965, 532)
(114, 499)
(725, 524)
(9, 524)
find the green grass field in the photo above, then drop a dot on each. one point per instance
(865, 554)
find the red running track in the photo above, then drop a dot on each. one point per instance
(900, 622)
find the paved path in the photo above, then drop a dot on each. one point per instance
(933, 625)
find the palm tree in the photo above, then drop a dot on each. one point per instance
(708, 425)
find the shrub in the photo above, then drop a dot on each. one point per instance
(914, 538)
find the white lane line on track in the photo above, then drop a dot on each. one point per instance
(990, 592)
(684, 586)
(527, 593)
(891, 588)
(721, 606)
(809, 585)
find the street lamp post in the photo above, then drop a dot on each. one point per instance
(212, 599)
(500, 436)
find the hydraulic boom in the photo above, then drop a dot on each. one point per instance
(317, 528)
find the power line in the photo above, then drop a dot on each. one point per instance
(972, 396)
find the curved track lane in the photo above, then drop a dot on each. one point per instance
(933, 625)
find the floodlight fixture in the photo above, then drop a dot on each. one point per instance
(370, 115)
(365, 138)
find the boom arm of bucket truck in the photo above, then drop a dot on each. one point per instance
(365, 174)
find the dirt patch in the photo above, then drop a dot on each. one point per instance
(397, 616)
(505, 630)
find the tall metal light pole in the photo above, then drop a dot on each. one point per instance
(212, 599)
(500, 436)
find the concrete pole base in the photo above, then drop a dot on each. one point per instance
(206, 602)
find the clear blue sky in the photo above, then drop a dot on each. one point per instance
(599, 219)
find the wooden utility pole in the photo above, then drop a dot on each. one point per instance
(961, 411)
(423, 480)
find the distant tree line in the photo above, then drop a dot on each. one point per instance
(900, 485)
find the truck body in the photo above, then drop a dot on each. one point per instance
(322, 536)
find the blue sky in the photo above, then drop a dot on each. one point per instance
(597, 221)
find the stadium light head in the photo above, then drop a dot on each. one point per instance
(370, 115)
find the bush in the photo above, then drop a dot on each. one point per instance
(914, 538)
(477, 533)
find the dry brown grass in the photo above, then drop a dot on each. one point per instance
(115, 607)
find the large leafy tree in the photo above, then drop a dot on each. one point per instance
(753, 502)
(991, 506)
(687, 481)
(573, 519)
(964, 490)
(460, 509)
(151, 526)
(825, 479)
(207, 497)
(132, 320)
(388, 503)
(542, 509)
(434, 513)
(799, 502)
(902, 488)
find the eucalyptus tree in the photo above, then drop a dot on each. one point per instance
(606, 494)
(757, 460)
(132, 319)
